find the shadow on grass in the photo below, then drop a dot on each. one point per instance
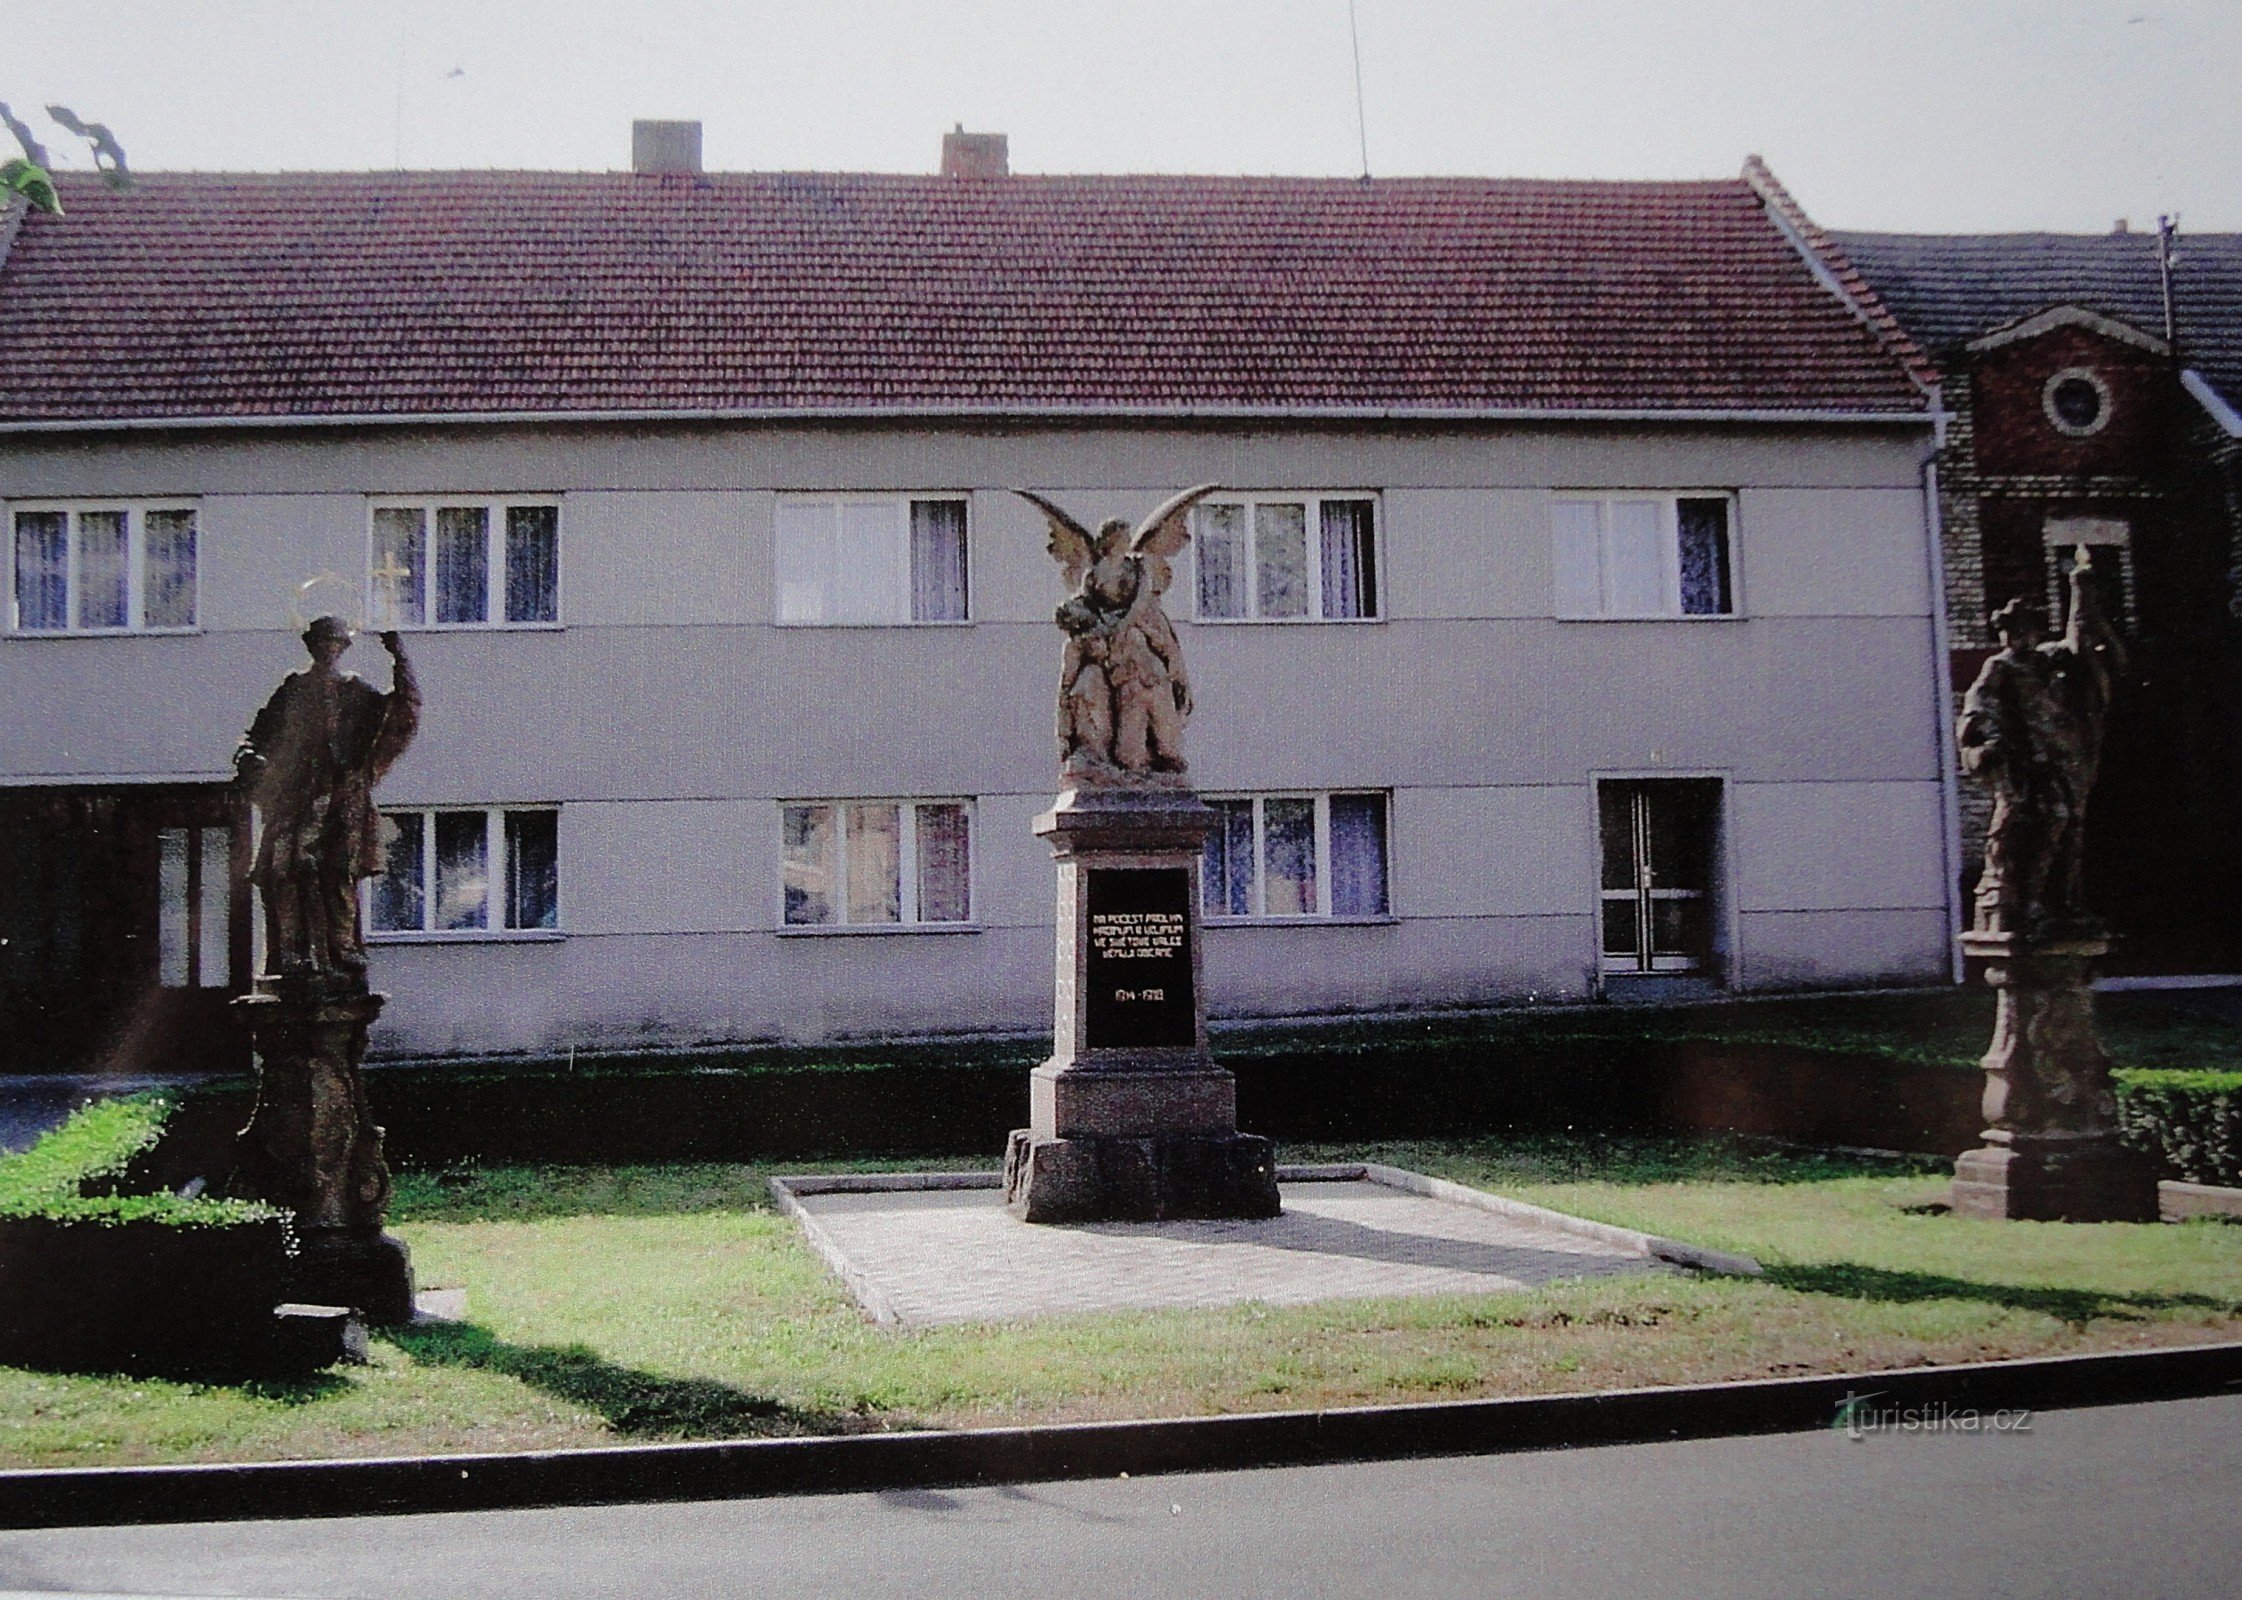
(2074, 1306)
(1625, 1162)
(634, 1403)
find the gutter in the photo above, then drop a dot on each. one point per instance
(2212, 401)
(1942, 712)
(992, 412)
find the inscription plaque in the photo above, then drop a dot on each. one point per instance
(1138, 965)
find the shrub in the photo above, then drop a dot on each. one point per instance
(76, 1172)
(2191, 1122)
(94, 1278)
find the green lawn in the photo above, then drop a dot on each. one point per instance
(608, 1304)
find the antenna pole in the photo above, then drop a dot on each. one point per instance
(2167, 228)
(1362, 129)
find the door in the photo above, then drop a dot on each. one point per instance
(1658, 854)
(124, 929)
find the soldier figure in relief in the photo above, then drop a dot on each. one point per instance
(2031, 728)
(1123, 692)
(310, 761)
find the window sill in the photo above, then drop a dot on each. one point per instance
(876, 930)
(1287, 622)
(467, 627)
(951, 622)
(1663, 616)
(1386, 921)
(104, 633)
(469, 936)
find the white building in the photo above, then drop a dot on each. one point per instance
(1569, 622)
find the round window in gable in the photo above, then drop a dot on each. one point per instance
(2077, 401)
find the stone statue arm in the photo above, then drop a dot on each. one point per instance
(1984, 737)
(400, 708)
(253, 751)
(2089, 639)
(1159, 635)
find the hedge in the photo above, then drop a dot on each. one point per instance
(79, 1172)
(2189, 1121)
(92, 1277)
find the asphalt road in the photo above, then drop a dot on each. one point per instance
(2141, 1501)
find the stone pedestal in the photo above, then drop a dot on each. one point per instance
(311, 1144)
(1131, 1120)
(2051, 1150)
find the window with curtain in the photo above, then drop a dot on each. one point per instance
(104, 569)
(464, 564)
(875, 863)
(872, 560)
(491, 870)
(1296, 856)
(1642, 555)
(1286, 558)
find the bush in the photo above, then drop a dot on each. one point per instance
(2191, 1122)
(94, 1278)
(79, 1171)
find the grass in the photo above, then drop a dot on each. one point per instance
(611, 1304)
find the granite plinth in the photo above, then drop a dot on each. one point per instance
(1168, 1178)
(2051, 1151)
(2055, 1180)
(312, 1146)
(1131, 1120)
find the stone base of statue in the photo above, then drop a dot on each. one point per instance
(2051, 1151)
(311, 1144)
(1131, 1120)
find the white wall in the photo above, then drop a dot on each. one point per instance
(669, 717)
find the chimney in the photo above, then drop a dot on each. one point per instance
(974, 155)
(665, 147)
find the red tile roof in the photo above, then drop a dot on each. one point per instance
(326, 294)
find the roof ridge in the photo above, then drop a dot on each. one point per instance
(1837, 269)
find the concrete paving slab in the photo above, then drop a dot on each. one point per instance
(941, 1255)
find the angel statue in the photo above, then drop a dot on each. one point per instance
(1123, 692)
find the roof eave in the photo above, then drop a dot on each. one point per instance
(1771, 415)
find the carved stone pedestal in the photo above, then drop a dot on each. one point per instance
(1131, 1120)
(2051, 1150)
(311, 1144)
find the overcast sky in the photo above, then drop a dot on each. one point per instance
(1937, 115)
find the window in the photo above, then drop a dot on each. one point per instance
(1638, 555)
(465, 564)
(1284, 558)
(2077, 401)
(468, 872)
(2109, 569)
(104, 569)
(194, 888)
(1658, 873)
(877, 863)
(1297, 855)
(877, 559)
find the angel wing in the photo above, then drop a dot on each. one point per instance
(1070, 543)
(1165, 532)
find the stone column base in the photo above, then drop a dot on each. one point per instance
(371, 1272)
(1162, 1178)
(2085, 1180)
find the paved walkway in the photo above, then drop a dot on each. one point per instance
(958, 1256)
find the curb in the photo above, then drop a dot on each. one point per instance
(100, 1496)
